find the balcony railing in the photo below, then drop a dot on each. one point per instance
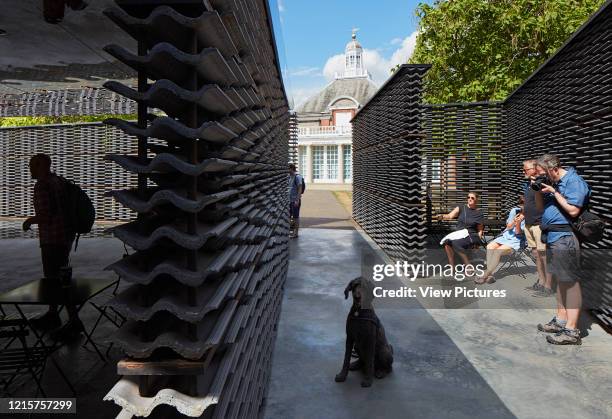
(329, 131)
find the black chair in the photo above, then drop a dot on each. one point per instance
(23, 359)
(515, 261)
(107, 311)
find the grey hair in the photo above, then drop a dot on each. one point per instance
(530, 162)
(549, 161)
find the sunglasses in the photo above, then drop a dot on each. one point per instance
(473, 198)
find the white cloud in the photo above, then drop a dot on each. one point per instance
(300, 94)
(333, 66)
(281, 6)
(305, 71)
(379, 66)
(404, 52)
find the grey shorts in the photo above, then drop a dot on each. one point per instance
(563, 259)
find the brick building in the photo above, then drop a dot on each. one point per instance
(324, 128)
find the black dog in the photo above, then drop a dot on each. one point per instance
(366, 334)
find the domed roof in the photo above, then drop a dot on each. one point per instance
(360, 89)
(353, 44)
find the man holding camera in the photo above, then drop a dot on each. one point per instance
(533, 233)
(560, 204)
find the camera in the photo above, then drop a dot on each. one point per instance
(536, 185)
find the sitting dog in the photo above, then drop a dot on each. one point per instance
(366, 334)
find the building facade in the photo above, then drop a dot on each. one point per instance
(324, 128)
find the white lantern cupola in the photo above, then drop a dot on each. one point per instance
(353, 58)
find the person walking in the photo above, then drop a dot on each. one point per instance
(55, 241)
(296, 189)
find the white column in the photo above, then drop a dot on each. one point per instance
(340, 164)
(309, 163)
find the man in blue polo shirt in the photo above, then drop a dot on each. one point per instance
(561, 203)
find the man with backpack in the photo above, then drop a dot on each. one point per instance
(56, 236)
(561, 205)
(297, 186)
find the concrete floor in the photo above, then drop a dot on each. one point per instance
(431, 377)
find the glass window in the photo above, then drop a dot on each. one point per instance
(332, 162)
(348, 162)
(303, 161)
(318, 159)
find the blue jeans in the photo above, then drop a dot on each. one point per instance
(294, 209)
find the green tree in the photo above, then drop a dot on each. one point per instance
(23, 121)
(484, 49)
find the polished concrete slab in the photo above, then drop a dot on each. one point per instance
(470, 362)
(431, 377)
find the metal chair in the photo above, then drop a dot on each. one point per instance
(16, 360)
(516, 260)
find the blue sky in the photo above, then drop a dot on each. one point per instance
(312, 34)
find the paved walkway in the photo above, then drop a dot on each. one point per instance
(469, 363)
(321, 209)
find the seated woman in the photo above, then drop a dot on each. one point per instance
(511, 239)
(469, 231)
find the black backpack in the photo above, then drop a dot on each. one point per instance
(303, 182)
(588, 227)
(79, 212)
